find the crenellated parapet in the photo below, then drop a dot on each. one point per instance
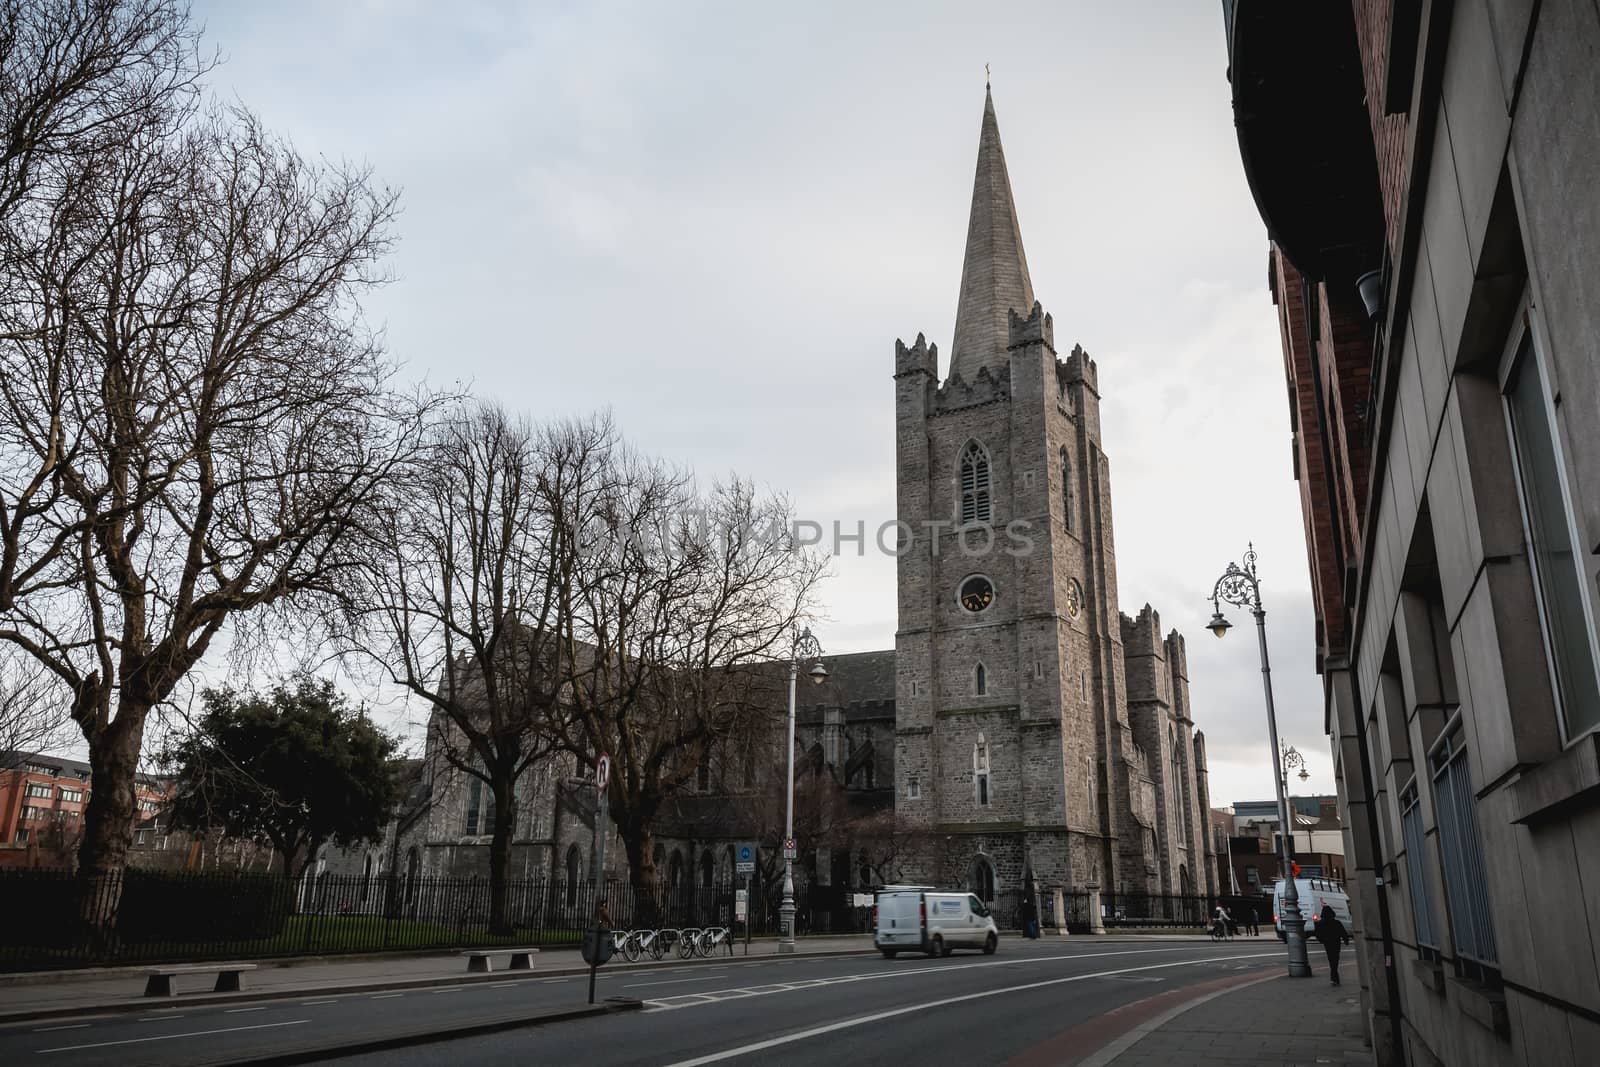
(1036, 328)
(919, 358)
(957, 393)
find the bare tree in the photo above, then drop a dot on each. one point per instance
(33, 708)
(464, 593)
(81, 77)
(683, 600)
(193, 421)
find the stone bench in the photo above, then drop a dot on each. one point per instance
(158, 981)
(478, 958)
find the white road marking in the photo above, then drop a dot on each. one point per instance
(500, 985)
(667, 981)
(173, 1037)
(817, 1031)
(448, 989)
(237, 1011)
(385, 996)
(929, 967)
(552, 981)
(50, 1029)
(322, 1000)
(153, 1018)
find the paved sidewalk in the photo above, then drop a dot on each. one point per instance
(1278, 1021)
(112, 988)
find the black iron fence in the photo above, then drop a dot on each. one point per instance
(56, 919)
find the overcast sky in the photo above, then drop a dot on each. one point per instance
(716, 219)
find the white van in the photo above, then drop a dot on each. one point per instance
(922, 919)
(1314, 893)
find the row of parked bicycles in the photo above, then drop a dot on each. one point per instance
(687, 942)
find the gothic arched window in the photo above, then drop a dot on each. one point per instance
(975, 484)
(983, 880)
(1066, 487)
(707, 869)
(980, 680)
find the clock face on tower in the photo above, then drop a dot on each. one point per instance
(977, 593)
(1074, 598)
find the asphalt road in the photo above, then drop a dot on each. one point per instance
(1032, 1002)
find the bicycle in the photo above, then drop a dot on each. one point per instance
(641, 941)
(1219, 931)
(710, 938)
(687, 939)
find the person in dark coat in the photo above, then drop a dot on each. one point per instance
(1331, 932)
(1030, 919)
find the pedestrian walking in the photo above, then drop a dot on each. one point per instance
(1030, 919)
(1250, 920)
(1331, 932)
(603, 914)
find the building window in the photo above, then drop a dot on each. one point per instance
(1066, 488)
(1091, 779)
(74, 795)
(1461, 852)
(913, 789)
(975, 484)
(1547, 517)
(1417, 870)
(1252, 876)
(980, 771)
(38, 789)
(39, 768)
(980, 680)
(30, 812)
(474, 807)
(983, 879)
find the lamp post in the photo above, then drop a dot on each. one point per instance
(806, 647)
(1289, 759)
(1239, 586)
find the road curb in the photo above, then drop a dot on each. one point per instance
(409, 1038)
(137, 1004)
(1109, 1053)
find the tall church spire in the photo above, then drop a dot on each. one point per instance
(994, 275)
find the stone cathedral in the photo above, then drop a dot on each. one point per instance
(1039, 733)
(1023, 732)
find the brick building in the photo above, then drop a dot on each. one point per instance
(1427, 175)
(42, 801)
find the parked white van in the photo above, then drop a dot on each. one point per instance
(1314, 893)
(919, 918)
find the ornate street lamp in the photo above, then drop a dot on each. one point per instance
(1238, 586)
(806, 647)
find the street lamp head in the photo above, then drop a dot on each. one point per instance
(1218, 624)
(1304, 774)
(819, 673)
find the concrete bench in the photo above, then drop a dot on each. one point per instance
(158, 982)
(478, 959)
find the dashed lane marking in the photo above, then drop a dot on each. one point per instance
(52, 1029)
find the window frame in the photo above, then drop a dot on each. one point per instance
(981, 492)
(1513, 362)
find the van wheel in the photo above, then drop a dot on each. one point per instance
(989, 945)
(938, 947)
(890, 953)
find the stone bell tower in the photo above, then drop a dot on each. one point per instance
(1010, 689)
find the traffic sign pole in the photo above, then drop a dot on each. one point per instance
(598, 850)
